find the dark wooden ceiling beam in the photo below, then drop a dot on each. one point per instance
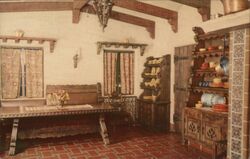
(170, 15)
(34, 6)
(205, 13)
(61, 6)
(194, 3)
(149, 25)
(203, 7)
(76, 12)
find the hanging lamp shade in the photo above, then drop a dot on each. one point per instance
(103, 10)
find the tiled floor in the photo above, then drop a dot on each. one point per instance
(127, 143)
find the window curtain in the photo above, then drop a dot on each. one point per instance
(34, 73)
(10, 69)
(110, 60)
(127, 73)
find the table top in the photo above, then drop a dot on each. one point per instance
(44, 110)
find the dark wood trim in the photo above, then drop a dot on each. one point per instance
(145, 8)
(170, 15)
(101, 45)
(118, 51)
(76, 12)
(35, 6)
(205, 13)
(194, 3)
(148, 24)
(203, 7)
(30, 40)
(59, 6)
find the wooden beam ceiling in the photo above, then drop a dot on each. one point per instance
(76, 11)
(149, 25)
(194, 3)
(203, 7)
(170, 15)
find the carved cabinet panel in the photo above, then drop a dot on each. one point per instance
(193, 128)
(214, 127)
(206, 128)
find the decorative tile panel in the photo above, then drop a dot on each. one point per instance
(237, 78)
(238, 73)
(236, 146)
(237, 92)
(236, 119)
(236, 132)
(235, 156)
(130, 105)
(238, 51)
(237, 64)
(237, 105)
(239, 36)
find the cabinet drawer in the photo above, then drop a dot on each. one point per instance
(196, 114)
(214, 118)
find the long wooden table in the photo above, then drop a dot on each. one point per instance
(19, 113)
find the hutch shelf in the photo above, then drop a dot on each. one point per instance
(205, 126)
(154, 102)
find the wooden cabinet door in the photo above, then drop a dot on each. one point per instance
(182, 61)
(214, 128)
(192, 128)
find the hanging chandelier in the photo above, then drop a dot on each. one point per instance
(103, 10)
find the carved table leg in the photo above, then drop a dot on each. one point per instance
(103, 131)
(13, 139)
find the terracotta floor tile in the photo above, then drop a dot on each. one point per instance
(136, 143)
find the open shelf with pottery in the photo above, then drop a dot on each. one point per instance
(211, 53)
(205, 117)
(154, 102)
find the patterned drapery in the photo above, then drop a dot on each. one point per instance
(21, 72)
(10, 72)
(109, 72)
(127, 73)
(34, 73)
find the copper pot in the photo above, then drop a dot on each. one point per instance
(231, 6)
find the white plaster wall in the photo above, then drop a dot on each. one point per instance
(58, 66)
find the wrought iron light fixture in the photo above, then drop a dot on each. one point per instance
(103, 10)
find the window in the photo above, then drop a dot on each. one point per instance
(21, 72)
(118, 72)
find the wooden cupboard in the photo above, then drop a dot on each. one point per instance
(205, 126)
(154, 102)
